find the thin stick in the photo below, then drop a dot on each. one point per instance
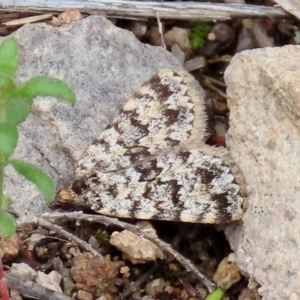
(2, 162)
(141, 10)
(60, 231)
(209, 85)
(161, 32)
(215, 81)
(138, 282)
(188, 265)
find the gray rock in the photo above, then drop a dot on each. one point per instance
(23, 270)
(104, 65)
(264, 139)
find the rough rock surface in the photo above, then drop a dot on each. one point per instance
(104, 65)
(292, 6)
(264, 139)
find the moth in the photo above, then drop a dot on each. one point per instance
(152, 162)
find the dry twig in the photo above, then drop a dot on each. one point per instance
(188, 265)
(138, 282)
(60, 231)
(32, 290)
(141, 10)
(161, 32)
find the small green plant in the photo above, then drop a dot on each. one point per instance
(217, 294)
(102, 237)
(198, 34)
(15, 105)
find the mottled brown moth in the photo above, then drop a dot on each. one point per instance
(151, 162)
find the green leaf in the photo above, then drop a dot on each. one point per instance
(8, 56)
(6, 202)
(38, 177)
(7, 224)
(18, 110)
(8, 139)
(217, 294)
(5, 81)
(44, 86)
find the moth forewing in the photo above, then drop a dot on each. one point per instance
(152, 162)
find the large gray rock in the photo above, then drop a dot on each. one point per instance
(264, 139)
(104, 65)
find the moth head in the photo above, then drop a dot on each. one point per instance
(72, 193)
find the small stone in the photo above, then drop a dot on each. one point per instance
(9, 249)
(69, 16)
(169, 289)
(14, 295)
(93, 242)
(105, 297)
(221, 37)
(247, 23)
(50, 281)
(92, 273)
(147, 227)
(42, 252)
(247, 294)
(154, 36)
(155, 286)
(124, 270)
(135, 248)
(195, 63)
(227, 274)
(102, 298)
(83, 295)
(138, 28)
(173, 267)
(74, 251)
(184, 294)
(23, 270)
(180, 37)
(178, 53)
(68, 283)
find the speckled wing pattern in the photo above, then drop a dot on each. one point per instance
(151, 162)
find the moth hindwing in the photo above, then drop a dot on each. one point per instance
(151, 162)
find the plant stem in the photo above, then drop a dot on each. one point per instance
(2, 159)
(4, 294)
(2, 162)
(2, 113)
